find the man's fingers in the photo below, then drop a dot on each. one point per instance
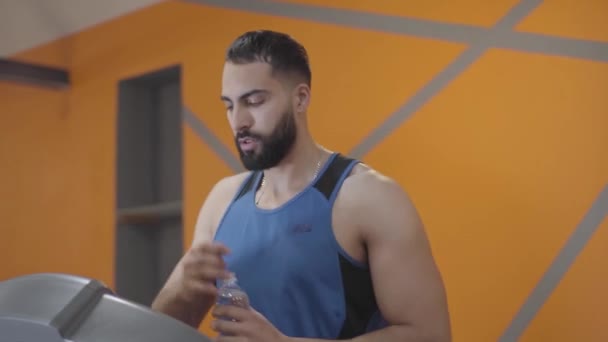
(202, 266)
(232, 312)
(206, 267)
(204, 288)
(212, 273)
(209, 268)
(207, 273)
(212, 247)
(210, 260)
(227, 327)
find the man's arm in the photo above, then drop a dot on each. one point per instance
(172, 299)
(408, 286)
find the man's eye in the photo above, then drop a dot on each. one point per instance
(255, 102)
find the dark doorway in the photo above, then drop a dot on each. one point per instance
(149, 183)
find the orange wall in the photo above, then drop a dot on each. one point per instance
(501, 166)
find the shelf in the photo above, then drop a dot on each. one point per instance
(150, 213)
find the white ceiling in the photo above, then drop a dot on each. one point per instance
(25, 24)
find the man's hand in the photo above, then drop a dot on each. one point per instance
(244, 325)
(202, 265)
(190, 291)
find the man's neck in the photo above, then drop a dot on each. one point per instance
(297, 169)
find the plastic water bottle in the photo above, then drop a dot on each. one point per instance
(230, 293)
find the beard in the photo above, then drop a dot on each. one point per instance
(272, 148)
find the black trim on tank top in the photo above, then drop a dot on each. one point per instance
(328, 181)
(248, 185)
(359, 299)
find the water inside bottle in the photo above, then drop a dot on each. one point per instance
(230, 293)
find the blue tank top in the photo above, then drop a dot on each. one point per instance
(292, 267)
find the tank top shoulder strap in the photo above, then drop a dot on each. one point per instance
(247, 185)
(331, 180)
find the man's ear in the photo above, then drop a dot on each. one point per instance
(301, 98)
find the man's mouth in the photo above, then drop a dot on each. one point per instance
(247, 144)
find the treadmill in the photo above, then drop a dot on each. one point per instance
(52, 307)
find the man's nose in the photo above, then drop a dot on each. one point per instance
(242, 118)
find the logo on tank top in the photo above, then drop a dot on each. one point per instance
(301, 228)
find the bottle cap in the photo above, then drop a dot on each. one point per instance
(231, 280)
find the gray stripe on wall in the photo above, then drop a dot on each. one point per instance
(551, 45)
(422, 96)
(458, 33)
(207, 136)
(441, 80)
(559, 267)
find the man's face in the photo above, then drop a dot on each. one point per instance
(260, 113)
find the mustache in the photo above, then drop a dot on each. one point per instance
(248, 134)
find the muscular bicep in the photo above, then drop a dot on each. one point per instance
(408, 286)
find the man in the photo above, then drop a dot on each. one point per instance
(326, 247)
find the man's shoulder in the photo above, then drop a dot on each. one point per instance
(370, 192)
(232, 183)
(365, 179)
(377, 204)
(216, 203)
(224, 191)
